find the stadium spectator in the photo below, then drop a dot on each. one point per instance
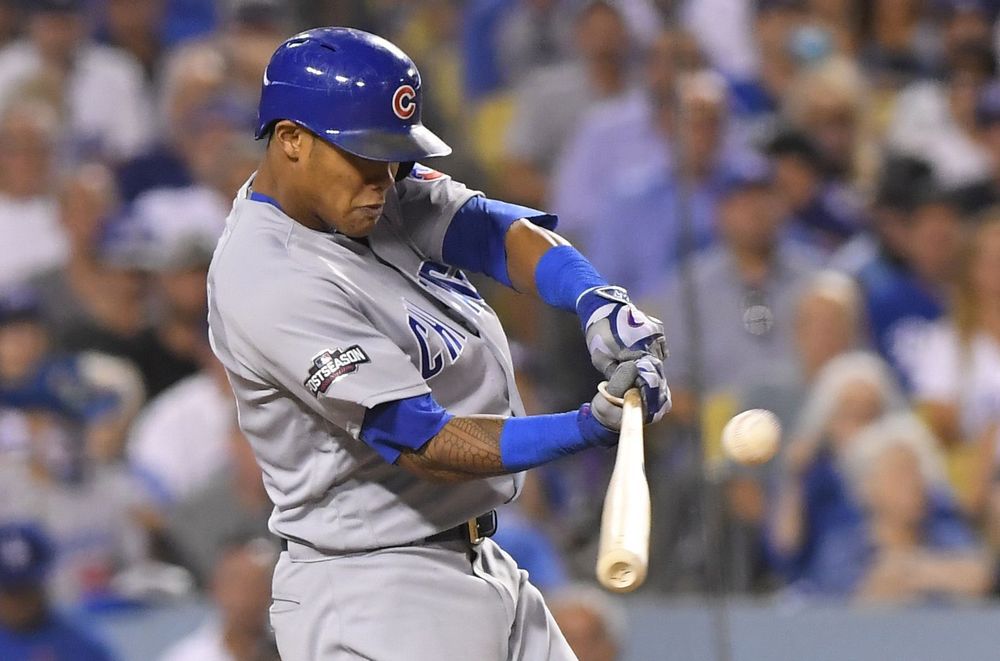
(29, 627)
(828, 323)
(95, 394)
(232, 504)
(528, 34)
(66, 415)
(936, 120)
(193, 77)
(827, 102)
(551, 100)
(594, 626)
(956, 371)
(988, 128)
(241, 592)
(181, 442)
(431, 36)
(87, 198)
(889, 213)
(756, 57)
(618, 136)
(901, 298)
(812, 498)
(913, 546)
(99, 90)
(900, 34)
(824, 214)
(137, 265)
(9, 20)
(672, 196)
(744, 297)
(248, 34)
(32, 239)
(135, 26)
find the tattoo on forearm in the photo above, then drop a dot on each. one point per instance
(465, 447)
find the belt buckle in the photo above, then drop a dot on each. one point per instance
(472, 526)
(477, 532)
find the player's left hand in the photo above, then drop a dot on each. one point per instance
(612, 324)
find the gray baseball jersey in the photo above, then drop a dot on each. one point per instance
(313, 328)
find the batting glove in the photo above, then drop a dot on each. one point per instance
(635, 370)
(611, 324)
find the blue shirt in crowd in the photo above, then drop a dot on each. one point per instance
(899, 307)
(837, 550)
(59, 639)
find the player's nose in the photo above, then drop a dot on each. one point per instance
(381, 175)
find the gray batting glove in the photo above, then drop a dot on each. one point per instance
(647, 374)
(612, 325)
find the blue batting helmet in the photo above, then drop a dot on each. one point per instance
(354, 89)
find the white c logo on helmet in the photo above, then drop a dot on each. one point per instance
(404, 101)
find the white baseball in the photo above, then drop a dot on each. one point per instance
(752, 437)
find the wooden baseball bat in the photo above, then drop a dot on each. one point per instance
(623, 554)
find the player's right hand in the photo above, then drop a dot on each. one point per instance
(636, 369)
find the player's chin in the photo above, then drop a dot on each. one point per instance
(361, 221)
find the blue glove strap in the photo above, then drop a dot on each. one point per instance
(563, 274)
(539, 439)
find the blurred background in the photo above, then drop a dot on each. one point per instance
(805, 191)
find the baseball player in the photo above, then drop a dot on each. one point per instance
(375, 384)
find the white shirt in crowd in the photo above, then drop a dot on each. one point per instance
(33, 239)
(923, 126)
(204, 644)
(945, 370)
(181, 439)
(106, 96)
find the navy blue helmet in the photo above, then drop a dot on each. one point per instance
(353, 89)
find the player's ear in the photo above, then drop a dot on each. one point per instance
(289, 137)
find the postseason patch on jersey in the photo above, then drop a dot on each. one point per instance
(329, 366)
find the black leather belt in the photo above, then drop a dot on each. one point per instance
(472, 531)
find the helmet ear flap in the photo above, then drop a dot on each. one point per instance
(404, 169)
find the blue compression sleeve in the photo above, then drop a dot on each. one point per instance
(538, 439)
(563, 274)
(475, 238)
(402, 424)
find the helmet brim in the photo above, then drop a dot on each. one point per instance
(415, 143)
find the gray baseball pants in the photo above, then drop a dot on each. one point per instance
(437, 602)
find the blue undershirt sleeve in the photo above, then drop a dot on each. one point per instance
(402, 424)
(474, 240)
(409, 423)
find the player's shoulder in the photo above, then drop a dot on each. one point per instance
(421, 177)
(252, 265)
(425, 186)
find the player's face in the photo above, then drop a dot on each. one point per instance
(348, 191)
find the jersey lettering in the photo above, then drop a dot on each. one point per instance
(430, 333)
(453, 281)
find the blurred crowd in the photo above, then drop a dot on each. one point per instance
(806, 192)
